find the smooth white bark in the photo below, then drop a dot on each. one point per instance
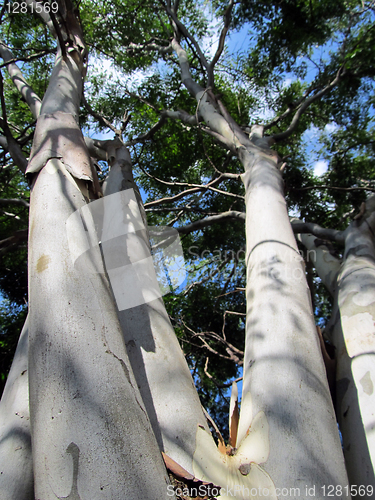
(284, 373)
(158, 363)
(351, 330)
(91, 437)
(90, 430)
(327, 266)
(353, 335)
(16, 466)
(19, 81)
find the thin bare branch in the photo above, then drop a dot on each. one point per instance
(220, 48)
(31, 57)
(208, 417)
(188, 192)
(14, 201)
(148, 135)
(13, 147)
(213, 219)
(207, 278)
(291, 108)
(141, 99)
(224, 318)
(231, 350)
(184, 208)
(232, 291)
(302, 107)
(336, 188)
(213, 182)
(101, 119)
(14, 241)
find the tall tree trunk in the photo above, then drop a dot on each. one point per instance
(16, 465)
(284, 374)
(91, 437)
(351, 330)
(158, 363)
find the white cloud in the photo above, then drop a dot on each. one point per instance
(287, 82)
(331, 127)
(320, 167)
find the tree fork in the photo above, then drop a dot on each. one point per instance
(91, 436)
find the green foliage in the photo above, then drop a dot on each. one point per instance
(291, 50)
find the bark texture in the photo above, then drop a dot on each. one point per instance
(91, 437)
(16, 465)
(351, 331)
(284, 374)
(354, 338)
(158, 363)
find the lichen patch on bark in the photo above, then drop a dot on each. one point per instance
(43, 263)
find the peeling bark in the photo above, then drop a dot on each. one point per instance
(351, 330)
(91, 436)
(353, 335)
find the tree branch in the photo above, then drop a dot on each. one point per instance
(31, 98)
(14, 201)
(220, 48)
(43, 14)
(300, 227)
(13, 147)
(187, 192)
(148, 135)
(187, 35)
(27, 58)
(15, 240)
(101, 119)
(301, 109)
(292, 107)
(186, 77)
(234, 353)
(213, 182)
(336, 188)
(58, 32)
(213, 219)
